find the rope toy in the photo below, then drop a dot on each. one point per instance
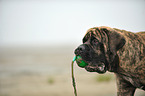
(81, 64)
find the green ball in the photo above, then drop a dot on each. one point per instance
(80, 62)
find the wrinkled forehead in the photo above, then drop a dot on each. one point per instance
(96, 33)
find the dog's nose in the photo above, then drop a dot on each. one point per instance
(79, 50)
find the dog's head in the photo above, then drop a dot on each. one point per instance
(99, 49)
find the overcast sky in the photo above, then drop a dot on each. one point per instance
(56, 22)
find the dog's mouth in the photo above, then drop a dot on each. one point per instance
(93, 66)
(98, 67)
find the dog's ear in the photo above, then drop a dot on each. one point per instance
(115, 41)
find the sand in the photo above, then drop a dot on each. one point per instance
(45, 71)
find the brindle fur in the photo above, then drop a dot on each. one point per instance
(125, 53)
(131, 71)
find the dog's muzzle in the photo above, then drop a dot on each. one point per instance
(86, 53)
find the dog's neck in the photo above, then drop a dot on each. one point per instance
(112, 66)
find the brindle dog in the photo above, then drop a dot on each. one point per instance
(118, 51)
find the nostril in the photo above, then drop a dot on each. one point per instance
(79, 50)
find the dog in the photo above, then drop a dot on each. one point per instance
(118, 51)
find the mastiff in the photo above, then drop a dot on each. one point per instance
(118, 51)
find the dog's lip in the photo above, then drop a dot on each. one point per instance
(100, 68)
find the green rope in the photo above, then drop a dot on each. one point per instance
(73, 78)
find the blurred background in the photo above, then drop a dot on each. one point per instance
(38, 37)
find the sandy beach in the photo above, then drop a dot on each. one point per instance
(45, 71)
